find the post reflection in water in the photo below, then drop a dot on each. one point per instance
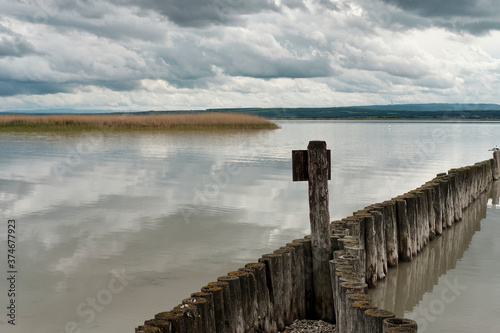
(495, 194)
(405, 286)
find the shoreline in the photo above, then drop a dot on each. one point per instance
(202, 121)
(393, 119)
(133, 122)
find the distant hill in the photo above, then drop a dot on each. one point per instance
(400, 111)
(437, 111)
(435, 107)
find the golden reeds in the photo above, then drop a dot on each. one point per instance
(199, 120)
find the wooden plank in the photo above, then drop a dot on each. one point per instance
(300, 162)
(299, 165)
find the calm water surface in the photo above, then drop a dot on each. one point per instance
(115, 227)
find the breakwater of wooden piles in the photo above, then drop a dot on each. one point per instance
(405, 286)
(267, 295)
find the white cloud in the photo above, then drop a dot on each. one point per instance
(115, 55)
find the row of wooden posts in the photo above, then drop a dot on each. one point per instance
(398, 229)
(377, 237)
(405, 286)
(326, 275)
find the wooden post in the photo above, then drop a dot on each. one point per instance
(308, 277)
(191, 317)
(287, 293)
(203, 310)
(217, 300)
(211, 309)
(352, 257)
(380, 243)
(246, 298)
(358, 317)
(438, 213)
(164, 326)
(274, 271)
(457, 207)
(237, 319)
(371, 251)
(431, 213)
(345, 289)
(411, 213)
(176, 319)
(299, 293)
(399, 322)
(375, 319)
(313, 165)
(265, 308)
(422, 218)
(404, 231)
(147, 329)
(391, 230)
(227, 305)
(351, 299)
(400, 330)
(496, 165)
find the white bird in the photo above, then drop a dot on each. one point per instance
(494, 149)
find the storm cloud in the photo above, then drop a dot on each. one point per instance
(199, 13)
(125, 55)
(476, 17)
(13, 45)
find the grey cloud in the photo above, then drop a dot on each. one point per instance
(329, 4)
(16, 87)
(239, 59)
(188, 62)
(89, 9)
(103, 20)
(435, 82)
(112, 30)
(446, 8)
(12, 88)
(294, 3)
(476, 28)
(397, 66)
(201, 13)
(99, 18)
(117, 85)
(258, 67)
(477, 17)
(13, 45)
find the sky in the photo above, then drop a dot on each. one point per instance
(198, 54)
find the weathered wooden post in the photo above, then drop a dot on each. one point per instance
(147, 329)
(399, 322)
(313, 165)
(496, 169)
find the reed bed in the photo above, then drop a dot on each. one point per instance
(208, 120)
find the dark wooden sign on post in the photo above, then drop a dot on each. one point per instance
(314, 165)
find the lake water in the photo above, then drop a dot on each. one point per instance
(113, 228)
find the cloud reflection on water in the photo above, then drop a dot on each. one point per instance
(122, 205)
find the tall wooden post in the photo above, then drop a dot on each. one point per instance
(496, 170)
(313, 165)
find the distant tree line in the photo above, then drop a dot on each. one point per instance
(358, 113)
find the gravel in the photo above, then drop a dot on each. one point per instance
(309, 326)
